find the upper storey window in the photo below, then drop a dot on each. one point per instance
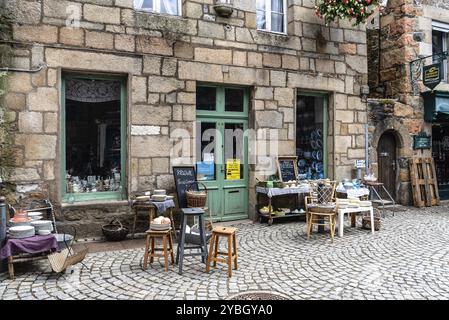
(440, 40)
(271, 15)
(172, 7)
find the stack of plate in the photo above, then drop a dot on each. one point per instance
(160, 227)
(15, 222)
(35, 215)
(42, 225)
(21, 232)
(366, 203)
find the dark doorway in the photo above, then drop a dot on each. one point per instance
(386, 153)
(440, 153)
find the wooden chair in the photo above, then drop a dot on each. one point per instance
(229, 234)
(321, 214)
(167, 243)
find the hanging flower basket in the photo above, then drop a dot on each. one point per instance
(360, 10)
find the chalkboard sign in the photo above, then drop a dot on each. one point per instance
(185, 177)
(287, 168)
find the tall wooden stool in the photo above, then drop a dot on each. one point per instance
(167, 247)
(228, 233)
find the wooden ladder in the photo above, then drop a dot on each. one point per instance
(424, 182)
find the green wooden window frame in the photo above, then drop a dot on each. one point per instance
(325, 97)
(220, 103)
(91, 196)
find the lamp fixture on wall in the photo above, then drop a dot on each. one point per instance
(224, 8)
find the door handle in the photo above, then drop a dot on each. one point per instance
(393, 164)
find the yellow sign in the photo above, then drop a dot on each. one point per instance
(233, 169)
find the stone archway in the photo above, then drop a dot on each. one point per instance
(404, 153)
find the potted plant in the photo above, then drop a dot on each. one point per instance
(224, 8)
(359, 10)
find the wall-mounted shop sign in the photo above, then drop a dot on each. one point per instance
(422, 141)
(432, 75)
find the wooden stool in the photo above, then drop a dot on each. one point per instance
(166, 238)
(229, 233)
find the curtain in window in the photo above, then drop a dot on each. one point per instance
(169, 6)
(138, 4)
(92, 91)
(277, 15)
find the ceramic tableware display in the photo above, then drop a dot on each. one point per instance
(158, 197)
(36, 215)
(42, 225)
(160, 192)
(20, 232)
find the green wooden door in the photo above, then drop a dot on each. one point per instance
(222, 150)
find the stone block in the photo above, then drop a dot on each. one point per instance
(51, 122)
(153, 115)
(186, 98)
(24, 174)
(254, 59)
(342, 143)
(194, 10)
(358, 63)
(145, 167)
(71, 36)
(210, 30)
(61, 9)
(145, 130)
(347, 48)
(183, 50)
(73, 59)
(345, 116)
(153, 45)
(164, 84)
(101, 14)
(290, 62)
(139, 89)
(100, 40)
(37, 146)
(49, 170)
(160, 165)
(284, 96)
(271, 60)
(15, 101)
(239, 58)
(152, 64)
(32, 33)
(150, 146)
(325, 66)
(278, 78)
(219, 56)
(30, 122)
(124, 42)
(200, 71)
(269, 119)
(169, 67)
(43, 99)
(20, 82)
(263, 93)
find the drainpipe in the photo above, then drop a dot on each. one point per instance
(39, 68)
(334, 120)
(366, 150)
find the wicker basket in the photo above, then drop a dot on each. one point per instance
(366, 221)
(114, 231)
(196, 199)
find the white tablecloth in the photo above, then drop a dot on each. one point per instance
(355, 193)
(271, 192)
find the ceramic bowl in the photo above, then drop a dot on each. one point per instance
(158, 197)
(159, 192)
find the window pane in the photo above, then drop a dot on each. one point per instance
(234, 100)
(310, 139)
(206, 98)
(169, 6)
(261, 4)
(437, 43)
(233, 150)
(261, 23)
(93, 136)
(277, 22)
(206, 153)
(277, 6)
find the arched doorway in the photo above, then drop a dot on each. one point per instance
(387, 162)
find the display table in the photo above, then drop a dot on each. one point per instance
(27, 249)
(354, 193)
(342, 212)
(152, 206)
(275, 192)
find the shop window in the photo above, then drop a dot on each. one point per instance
(271, 15)
(172, 7)
(440, 37)
(93, 139)
(206, 98)
(440, 153)
(311, 136)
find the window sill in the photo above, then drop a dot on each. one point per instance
(273, 33)
(165, 15)
(66, 205)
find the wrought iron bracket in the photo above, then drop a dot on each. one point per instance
(416, 67)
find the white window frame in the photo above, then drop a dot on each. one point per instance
(157, 8)
(444, 28)
(268, 17)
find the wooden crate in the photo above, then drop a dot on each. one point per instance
(424, 182)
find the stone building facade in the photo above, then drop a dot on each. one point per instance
(162, 59)
(398, 50)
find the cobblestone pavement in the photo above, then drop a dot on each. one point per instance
(407, 259)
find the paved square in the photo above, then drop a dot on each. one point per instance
(407, 259)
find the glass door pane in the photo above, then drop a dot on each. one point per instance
(311, 137)
(234, 151)
(206, 151)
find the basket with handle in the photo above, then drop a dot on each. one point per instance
(196, 199)
(114, 231)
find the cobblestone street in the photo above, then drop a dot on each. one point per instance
(407, 259)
